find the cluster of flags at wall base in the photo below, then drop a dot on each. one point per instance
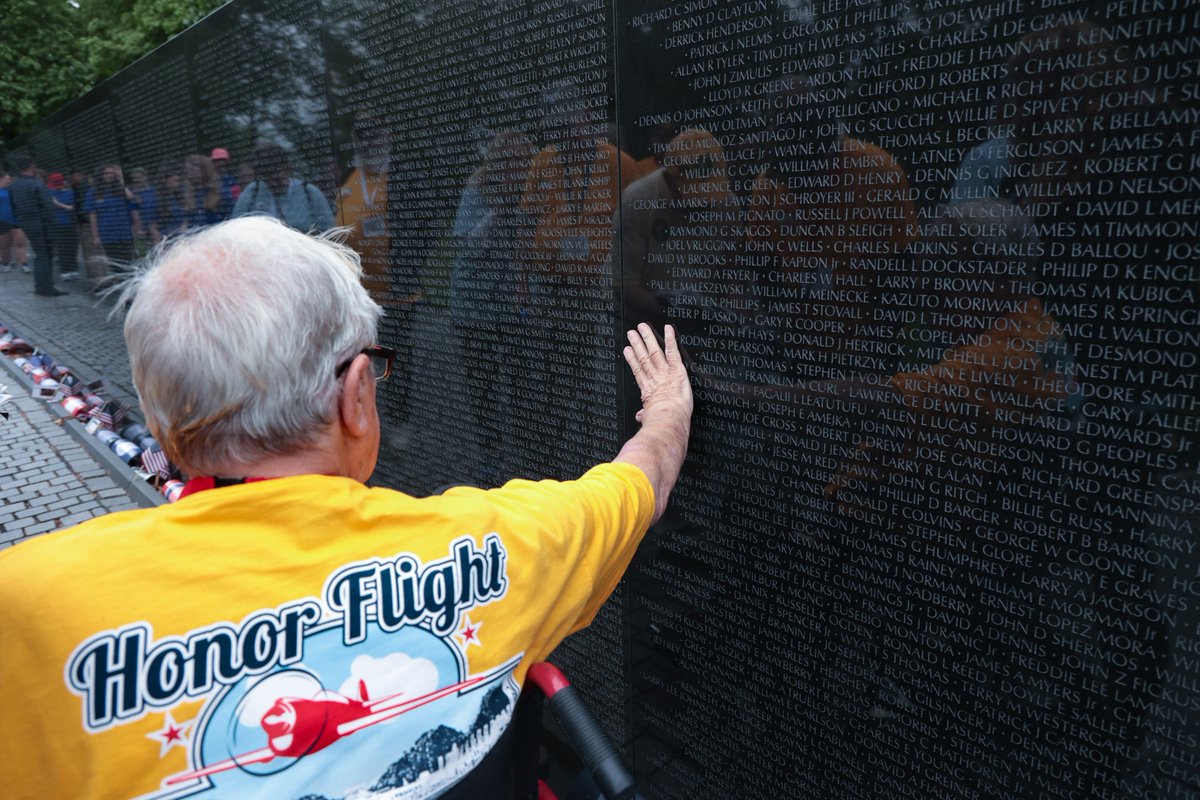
(88, 404)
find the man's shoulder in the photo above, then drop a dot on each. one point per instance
(74, 548)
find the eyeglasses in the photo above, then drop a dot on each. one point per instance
(381, 361)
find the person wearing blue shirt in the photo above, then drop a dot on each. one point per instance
(8, 222)
(112, 210)
(172, 211)
(62, 231)
(146, 197)
(275, 193)
(34, 210)
(204, 200)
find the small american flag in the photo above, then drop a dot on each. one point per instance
(103, 416)
(119, 411)
(111, 414)
(155, 460)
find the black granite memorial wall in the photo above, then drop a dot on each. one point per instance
(935, 268)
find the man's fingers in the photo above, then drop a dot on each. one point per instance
(672, 346)
(639, 373)
(650, 339)
(638, 346)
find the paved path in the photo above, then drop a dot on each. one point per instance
(75, 329)
(51, 477)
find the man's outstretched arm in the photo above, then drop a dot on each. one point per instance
(658, 449)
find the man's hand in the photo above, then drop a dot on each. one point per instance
(659, 448)
(661, 377)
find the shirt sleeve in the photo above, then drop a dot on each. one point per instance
(569, 544)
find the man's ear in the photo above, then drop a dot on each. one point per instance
(357, 396)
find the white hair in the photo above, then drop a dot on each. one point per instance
(235, 334)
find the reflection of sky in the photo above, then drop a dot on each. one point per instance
(354, 762)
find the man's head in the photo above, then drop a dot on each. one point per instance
(272, 166)
(21, 162)
(244, 341)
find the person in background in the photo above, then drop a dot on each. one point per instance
(362, 205)
(230, 188)
(172, 206)
(66, 242)
(147, 202)
(202, 193)
(245, 176)
(34, 208)
(8, 222)
(112, 211)
(93, 264)
(275, 193)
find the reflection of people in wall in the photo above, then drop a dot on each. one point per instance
(275, 193)
(362, 204)
(573, 190)
(8, 222)
(33, 206)
(93, 263)
(230, 188)
(66, 243)
(147, 205)
(676, 223)
(1041, 128)
(838, 214)
(989, 347)
(484, 286)
(172, 206)
(112, 210)
(202, 202)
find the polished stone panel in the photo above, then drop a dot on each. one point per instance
(934, 268)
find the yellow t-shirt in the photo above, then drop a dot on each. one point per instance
(297, 636)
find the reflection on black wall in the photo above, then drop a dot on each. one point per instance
(935, 269)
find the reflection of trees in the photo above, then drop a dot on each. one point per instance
(262, 77)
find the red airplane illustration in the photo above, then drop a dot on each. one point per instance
(297, 727)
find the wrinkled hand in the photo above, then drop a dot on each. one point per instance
(660, 376)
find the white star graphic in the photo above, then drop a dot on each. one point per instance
(172, 734)
(468, 633)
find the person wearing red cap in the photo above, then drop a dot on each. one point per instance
(229, 182)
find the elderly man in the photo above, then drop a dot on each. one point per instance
(283, 630)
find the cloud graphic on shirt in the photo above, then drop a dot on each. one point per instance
(391, 674)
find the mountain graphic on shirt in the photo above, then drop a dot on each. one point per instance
(429, 753)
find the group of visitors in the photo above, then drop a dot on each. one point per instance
(57, 221)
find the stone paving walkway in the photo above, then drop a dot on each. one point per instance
(49, 479)
(75, 329)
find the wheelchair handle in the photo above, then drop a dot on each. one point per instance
(586, 735)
